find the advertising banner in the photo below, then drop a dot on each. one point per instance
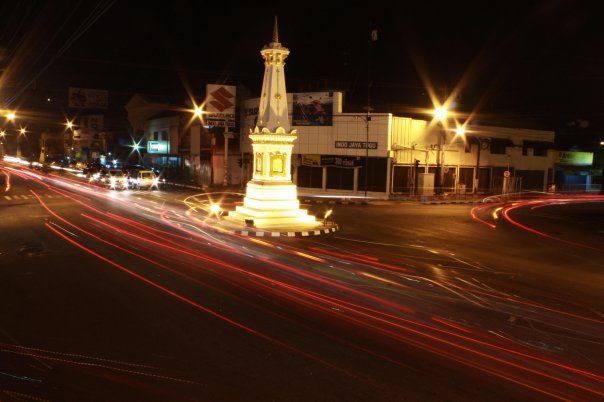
(85, 98)
(220, 105)
(157, 147)
(311, 160)
(341, 161)
(575, 158)
(312, 109)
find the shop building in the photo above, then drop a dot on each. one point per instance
(385, 156)
(575, 172)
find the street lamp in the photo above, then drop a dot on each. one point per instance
(69, 124)
(198, 112)
(22, 131)
(11, 116)
(440, 113)
(461, 131)
(2, 133)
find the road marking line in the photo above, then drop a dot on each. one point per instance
(7, 197)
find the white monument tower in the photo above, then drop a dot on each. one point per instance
(271, 199)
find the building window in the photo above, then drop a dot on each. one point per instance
(310, 176)
(340, 178)
(540, 152)
(524, 151)
(258, 162)
(163, 136)
(373, 172)
(498, 146)
(154, 137)
(278, 164)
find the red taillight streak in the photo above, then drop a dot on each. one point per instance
(475, 215)
(513, 352)
(364, 260)
(434, 350)
(506, 214)
(272, 262)
(528, 303)
(194, 304)
(357, 309)
(356, 306)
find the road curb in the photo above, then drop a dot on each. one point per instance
(451, 202)
(305, 233)
(332, 202)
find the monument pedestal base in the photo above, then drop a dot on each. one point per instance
(271, 205)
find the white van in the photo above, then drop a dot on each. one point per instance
(144, 179)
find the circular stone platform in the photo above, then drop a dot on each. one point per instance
(227, 201)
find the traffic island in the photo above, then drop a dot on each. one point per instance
(213, 211)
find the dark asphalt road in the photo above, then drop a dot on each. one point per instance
(129, 297)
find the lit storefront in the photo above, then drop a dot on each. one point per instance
(574, 172)
(387, 156)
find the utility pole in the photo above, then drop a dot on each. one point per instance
(372, 38)
(477, 172)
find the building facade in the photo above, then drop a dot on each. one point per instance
(385, 156)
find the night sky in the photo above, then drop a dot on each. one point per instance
(527, 64)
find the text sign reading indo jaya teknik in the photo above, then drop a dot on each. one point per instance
(356, 144)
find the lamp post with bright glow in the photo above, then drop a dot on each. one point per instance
(440, 114)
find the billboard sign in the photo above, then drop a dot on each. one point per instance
(310, 160)
(220, 105)
(157, 147)
(312, 109)
(575, 158)
(341, 161)
(85, 98)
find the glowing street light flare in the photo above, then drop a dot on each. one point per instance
(2, 133)
(198, 111)
(440, 113)
(22, 131)
(69, 124)
(11, 116)
(461, 131)
(215, 209)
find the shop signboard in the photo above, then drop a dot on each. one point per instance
(575, 158)
(220, 105)
(311, 160)
(356, 144)
(157, 147)
(341, 161)
(312, 109)
(86, 98)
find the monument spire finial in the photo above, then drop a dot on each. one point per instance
(275, 32)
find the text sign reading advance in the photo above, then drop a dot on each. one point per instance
(356, 144)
